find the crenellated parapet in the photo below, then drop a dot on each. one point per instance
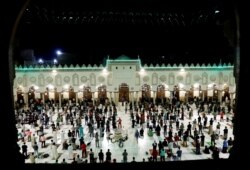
(124, 70)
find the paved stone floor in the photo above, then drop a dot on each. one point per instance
(134, 149)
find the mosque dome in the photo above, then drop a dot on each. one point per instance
(122, 57)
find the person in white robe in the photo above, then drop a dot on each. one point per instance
(55, 136)
(70, 152)
(62, 137)
(54, 152)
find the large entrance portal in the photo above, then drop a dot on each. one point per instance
(102, 94)
(160, 94)
(146, 93)
(123, 93)
(87, 95)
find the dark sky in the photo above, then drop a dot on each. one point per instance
(91, 43)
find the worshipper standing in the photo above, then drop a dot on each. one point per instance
(202, 139)
(33, 140)
(91, 156)
(78, 159)
(125, 156)
(137, 134)
(43, 139)
(81, 131)
(218, 129)
(70, 151)
(32, 158)
(97, 140)
(108, 156)
(35, 147)
(225, 146)
(119, 123)
(24, 149)
(84, 150)
(225, 132)
(62, 136)
(179, 153)
(54, 151)
(101, 155)
(162, 154)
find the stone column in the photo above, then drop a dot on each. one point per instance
(138, 93)
(43, 98)
(76, 97)
(203, 95)
(153, 96)
(220, 95)
(60, 99)
(25, 98)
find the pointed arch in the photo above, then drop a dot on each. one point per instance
(220, 78)
(154, 79)
(25, 80)
(41, 80)
(123, 92)
(137, 79)
(75, 79)
(204, 78)
(92, 78)
(171, 79)
(58, 80)
(231, 79)
(188, 79)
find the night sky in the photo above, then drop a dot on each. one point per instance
(92, 43)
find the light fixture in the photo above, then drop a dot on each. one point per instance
(55, 61)
(217, 11)
(58, 52)
(40, 61)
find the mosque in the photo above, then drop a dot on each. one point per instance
(123, 90)
(170, 113)
(124, 79)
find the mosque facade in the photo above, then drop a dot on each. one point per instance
(124, 79)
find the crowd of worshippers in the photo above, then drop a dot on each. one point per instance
(157, 117)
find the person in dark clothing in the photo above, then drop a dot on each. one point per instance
(133, 161)
(189, 126)
(74, 161)
(198, 148)
(154, 145)
(158, 130)
(81, 141)
(133, 123)
(108, 156)
(215, 154)
(177, 124)
(202, 139)
(230, 142)
(24, 149)
(141, 132)
(165, 143)
(165, 129)
(101, 156)
(91, 156)
(199, 119)
(206, 150)
(65, 145)
(225, 132)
